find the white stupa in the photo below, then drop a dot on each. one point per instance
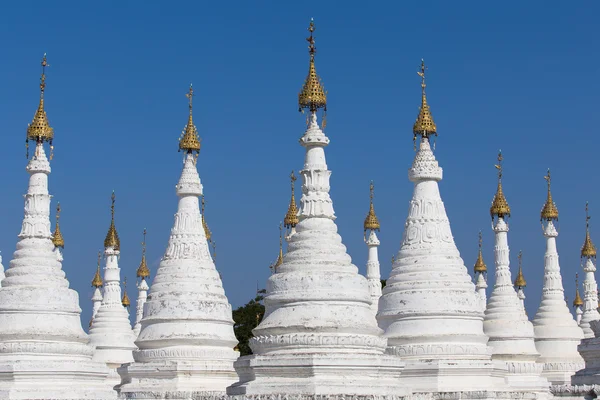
(590, 287)
(97, 285)
(520, 283)
(319, 335)
(45, 352)
(510, 332)
(480, 269)
(556, 332)
(291, 217)
(578, 301)
(371, 224)
(429, 309)
(111, 329)
(143, 272)
(186, 340)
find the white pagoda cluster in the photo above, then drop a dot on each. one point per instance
(328, 332)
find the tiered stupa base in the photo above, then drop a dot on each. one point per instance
(319, 374)
(54, 379)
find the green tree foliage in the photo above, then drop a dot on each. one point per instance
(383, 282)
(246, 318)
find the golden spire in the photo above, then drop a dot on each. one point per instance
(189, 140)
(500, 207)
(480, 266)
(112, 238)
(39, 129)
(371, 221)
(520, 281)
(125, 300)
(143, 271)
(424, 124)
(57, 237)
(280, 256)
(291, 217)
(549, 211)
(214, 246)
(578, 302)
(588, 250)
(312, 96)
(207, 231)
(97, 281)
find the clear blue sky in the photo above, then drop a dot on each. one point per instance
(520, 76)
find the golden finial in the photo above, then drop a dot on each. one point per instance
(480, 266)
(39, 129)
(588, 250)
(312, 96)
(280, 256)
(424, 124)
(97, 281)
(207, 231)
(393, 260)
(143, 271)
(578, 302)
(57, 237)
(549, 211)
(291, 217)
(189, 140)
(125, 300)
(500, 207)
(214, 246)
(371, 221)
(520, 281)
(112, 238)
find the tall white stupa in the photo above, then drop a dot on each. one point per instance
(97, 285)
(2, 276)
(319, 335)
(143, 272)
(429, 309)
(371, 224)
(480, 270)
(111, 329)
(520, 282)
(45, 352)
(186, 342)
(556, 332)
(590, 287)
(510, 332)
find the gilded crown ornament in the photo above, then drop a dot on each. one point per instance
(500, 207)
(520, 281)
(207, 231)
(371, 221)
(588, 250)
(312, 96)
(578, 302)
(125, 299)
(97, 281)
(189, 141)
(424, 124)
(480, 266)
(549, 211)
(57, 237)
(143, 271)
(39, 129)
(112, 237)
(291, 217)
(280, 255)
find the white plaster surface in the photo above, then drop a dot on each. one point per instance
(44, 352)
(480, 287)
(186, 339)
(429, 309)
(319, 334)
(373, 271)
(556, 332)
(139, 310)
(590, 351)
(590, 298)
